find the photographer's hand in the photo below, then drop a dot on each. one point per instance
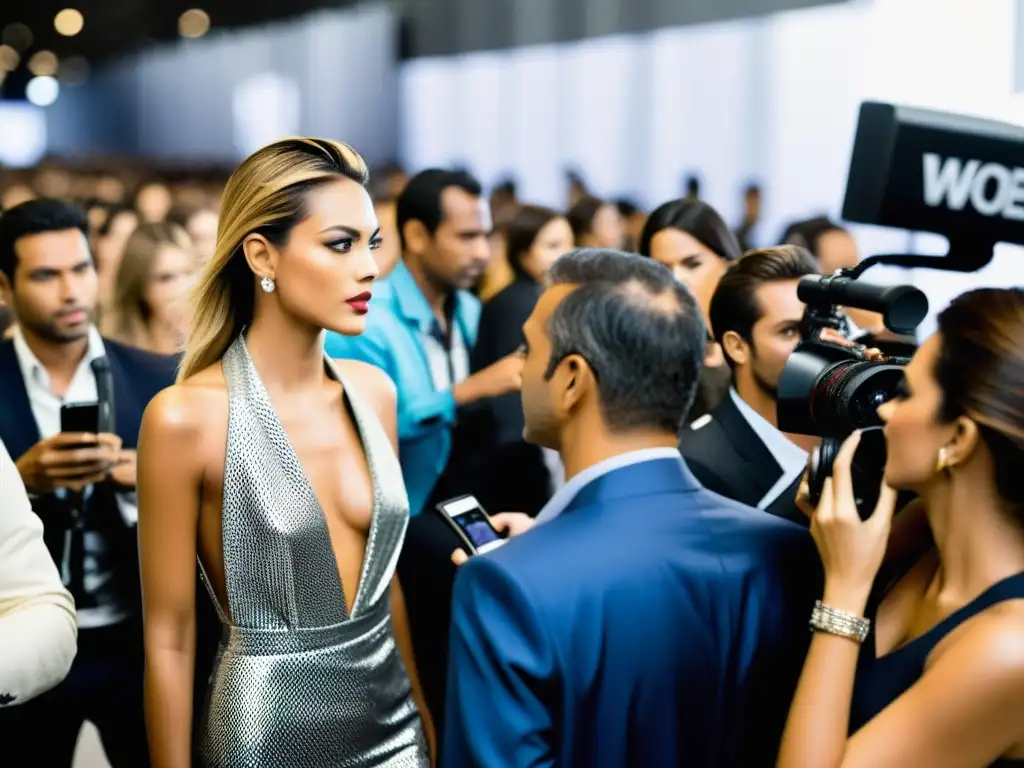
(851, 550)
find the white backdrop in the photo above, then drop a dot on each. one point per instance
(773, 99)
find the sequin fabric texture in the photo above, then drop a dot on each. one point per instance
(301, 680)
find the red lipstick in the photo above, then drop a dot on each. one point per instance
(360, 303)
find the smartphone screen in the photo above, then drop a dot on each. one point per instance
(470, 518)
(80, 417)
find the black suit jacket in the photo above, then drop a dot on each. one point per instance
(727, 456)
(137, 377)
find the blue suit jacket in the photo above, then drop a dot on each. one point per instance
(653, 623)
(398, 314)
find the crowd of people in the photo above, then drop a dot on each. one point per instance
(245, 562)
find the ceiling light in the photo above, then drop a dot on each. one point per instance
(43, 64)
(69, 22)
(18, 36)
(42, 91)
(73, 71)
(9, 58)
(194, 23)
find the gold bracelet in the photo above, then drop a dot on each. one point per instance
(825, 618)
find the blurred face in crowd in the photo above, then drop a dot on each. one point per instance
(752, 207)
(692, 263)
(325, 271)
(607, 230)
(547, 402)
(110, 249)
(110, 189)
(553, 241)
(836, 250)
(16, 195)
(457, 254)
(202, 229)
(773, 338)
(170, 277)
(153, 202)
(54, 290)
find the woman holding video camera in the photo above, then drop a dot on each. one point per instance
(939, 680)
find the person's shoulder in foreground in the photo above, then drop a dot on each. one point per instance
(37, 615)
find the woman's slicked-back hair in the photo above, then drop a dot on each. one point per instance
(266, 194)
(522, 230)
(697, 219)
(981, 372)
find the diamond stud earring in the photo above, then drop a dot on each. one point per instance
(267, 284)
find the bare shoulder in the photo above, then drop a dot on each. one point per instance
(991, 647)
(372, 382)
(184, 410)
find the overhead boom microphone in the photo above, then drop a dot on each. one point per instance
(902, 307)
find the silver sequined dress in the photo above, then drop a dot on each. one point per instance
(301, 681)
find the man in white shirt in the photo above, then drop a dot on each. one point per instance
(37, 615)
(737, 450)
(81, 485)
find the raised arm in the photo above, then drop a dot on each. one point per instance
(170, 483)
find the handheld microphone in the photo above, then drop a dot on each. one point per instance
(902, 307)
(104, 393)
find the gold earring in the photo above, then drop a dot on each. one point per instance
(942, 462)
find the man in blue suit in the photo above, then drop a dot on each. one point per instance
(645, 621)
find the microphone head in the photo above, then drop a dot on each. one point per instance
(100, 365)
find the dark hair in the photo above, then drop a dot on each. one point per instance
(734, 305)
(522, 230)
(581, 216)
(808, 233)
(646, 353)
(32, 218)
(626, 207)
(986, 328)
(692, 185)
(421, 199)
(697, 219)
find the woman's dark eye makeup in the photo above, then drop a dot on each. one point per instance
(344, 244)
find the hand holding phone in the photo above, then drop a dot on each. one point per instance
(68, 460)
(468, 519)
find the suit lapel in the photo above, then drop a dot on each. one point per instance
(18, 428)
(126, 406)
(761, 469)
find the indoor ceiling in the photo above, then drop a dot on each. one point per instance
(116, 27)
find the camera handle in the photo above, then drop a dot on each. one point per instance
(966, 254)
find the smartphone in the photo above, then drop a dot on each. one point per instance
(468, 519)
(80, 417)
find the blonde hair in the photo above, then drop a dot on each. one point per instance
(129, 322)
(266, 195)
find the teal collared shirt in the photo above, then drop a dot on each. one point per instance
(398, 321)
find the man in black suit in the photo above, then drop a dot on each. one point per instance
(82, 485)
(737, 450)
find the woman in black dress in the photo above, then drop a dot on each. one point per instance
(921, 663)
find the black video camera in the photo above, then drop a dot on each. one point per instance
(920, 170)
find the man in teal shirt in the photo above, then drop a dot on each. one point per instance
(423, 322)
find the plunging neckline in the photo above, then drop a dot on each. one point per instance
(274, 423)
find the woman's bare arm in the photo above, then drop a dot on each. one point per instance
(170, 483)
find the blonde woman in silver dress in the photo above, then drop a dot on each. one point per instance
(277, 467)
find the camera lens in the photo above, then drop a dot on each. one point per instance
(847, 394)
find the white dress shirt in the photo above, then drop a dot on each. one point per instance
(791, 457)
(37, 615)
(563, 498)
(46, 409)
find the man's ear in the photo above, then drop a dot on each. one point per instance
(262, 259)
(735, 347)
(575, 381)
(416, 237)
(6, 291)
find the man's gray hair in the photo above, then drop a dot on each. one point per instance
(638, 328)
